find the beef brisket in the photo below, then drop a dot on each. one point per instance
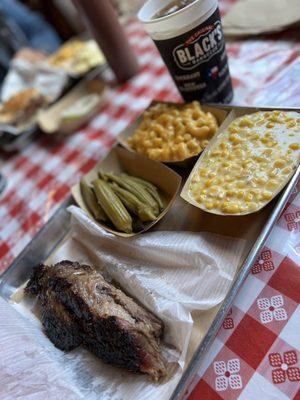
(79, 307)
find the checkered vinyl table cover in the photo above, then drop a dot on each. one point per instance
(256, 353)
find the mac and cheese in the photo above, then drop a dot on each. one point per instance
(172, 132)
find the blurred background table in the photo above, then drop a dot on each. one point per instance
(256, 352)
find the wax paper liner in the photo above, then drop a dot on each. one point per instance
(170, 273)
(23, 74)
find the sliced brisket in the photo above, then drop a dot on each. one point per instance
(78, 306)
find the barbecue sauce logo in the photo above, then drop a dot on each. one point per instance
(199, 48)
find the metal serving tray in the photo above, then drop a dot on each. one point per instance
(57, 228)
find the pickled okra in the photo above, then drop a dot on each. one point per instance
(112, 205)
(149, 187)
(125, 201)
(132, 203)
(135, 188)
(140, 180)
(91, 202)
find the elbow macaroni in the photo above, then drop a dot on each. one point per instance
(172, 133)
(248, 164)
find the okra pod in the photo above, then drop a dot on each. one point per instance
(152, 189)
(135, 188)
(140, 180)
(133, 204)
(112, 205)
(91, 202)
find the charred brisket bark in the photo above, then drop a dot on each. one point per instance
(79, 307)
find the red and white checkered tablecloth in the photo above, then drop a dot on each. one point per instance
(256, 353)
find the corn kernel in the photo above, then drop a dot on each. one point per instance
(202, 172)
(209, 182)
(240, 194)
(213, 191)
(211, 175)
(294, 146)
(260, 180)
(246, 122)
(233, 129)
(235, 139)
(275, 119)
(271, 143)
(228, 178)
(229, 186)
(270, 125)
(209, 205)
(216, 203)
(259, 159)
(256, 195)
(272, 184)
(279, 163)
(268, 152)
(287, 170)
(225, 164)
(240, 184)
(266, 195)
(238, 153)
(247, 163)
(274, 173)
(230, 193)
(248, 197)
(265, 140)
(229, 207)
(255, 136)
(291, 124)
(200, 199)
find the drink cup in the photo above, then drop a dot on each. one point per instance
(191, 43)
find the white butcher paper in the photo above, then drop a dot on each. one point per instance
(170, 273)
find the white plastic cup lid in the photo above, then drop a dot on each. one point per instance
(176, 23)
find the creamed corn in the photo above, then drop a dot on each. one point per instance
(248, 163)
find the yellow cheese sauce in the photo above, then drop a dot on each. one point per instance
(248, 163)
